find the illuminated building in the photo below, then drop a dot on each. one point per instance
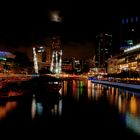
(6, 61)
(77, 66)
(129, 31)
(41, 57)
(35, 61)
(129, 60)
(55, 32)
(67, 65)
(102, 50)
(56, 62)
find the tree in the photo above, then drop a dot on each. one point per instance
(21, 61)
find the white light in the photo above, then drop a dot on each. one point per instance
(132, 48)
(33, 108)
(56, 62)
(35, 61)
(54, 16)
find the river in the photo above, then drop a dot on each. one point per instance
(83, 109)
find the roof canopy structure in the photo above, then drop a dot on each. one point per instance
(6, 54)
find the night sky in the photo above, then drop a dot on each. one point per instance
(24, 23)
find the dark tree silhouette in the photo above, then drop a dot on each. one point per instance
(22, 59)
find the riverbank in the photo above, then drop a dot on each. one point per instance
(121, 85)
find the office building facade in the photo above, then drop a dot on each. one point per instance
(102, 50)
(129, 31)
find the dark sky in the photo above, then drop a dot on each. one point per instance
(80, 20)
(23, 23)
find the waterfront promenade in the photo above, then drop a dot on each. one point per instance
(120, 85)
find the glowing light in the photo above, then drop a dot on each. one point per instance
(132, 48)
(65, 88)
(133, 122)
(73, 87)
(35, 61)
(119, 103)
(39, 108)
(60, 107)
(2, 58)
(6, 54)
(133, 105)
(33, 108)
(55, 16)
(9, 106)
(56, 63)
(3, 113)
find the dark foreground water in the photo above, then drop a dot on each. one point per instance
(83, 111)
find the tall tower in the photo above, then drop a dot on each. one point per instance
(35, 60)
(56, 29)
(129, 31)
(103, 46)
(56, 62)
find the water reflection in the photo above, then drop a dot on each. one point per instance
(94, 91)
(33, 107)
(133, 122)
(74, 88)
(36, 108)
(51, 104)
(127, 103)
(57, 108)
(82, 104)
(133, 105)
(6, 108)
(39, 108)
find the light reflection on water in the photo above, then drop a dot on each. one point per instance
(81, 103)
(57, 109)
(127, 103)
(33, 108)
(6, 108)
(37, 107)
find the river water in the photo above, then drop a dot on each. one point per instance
(83, 110)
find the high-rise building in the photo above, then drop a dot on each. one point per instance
(102, 50)
(129, 31)
(55, 31)
(56, 60)
(41, 57)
